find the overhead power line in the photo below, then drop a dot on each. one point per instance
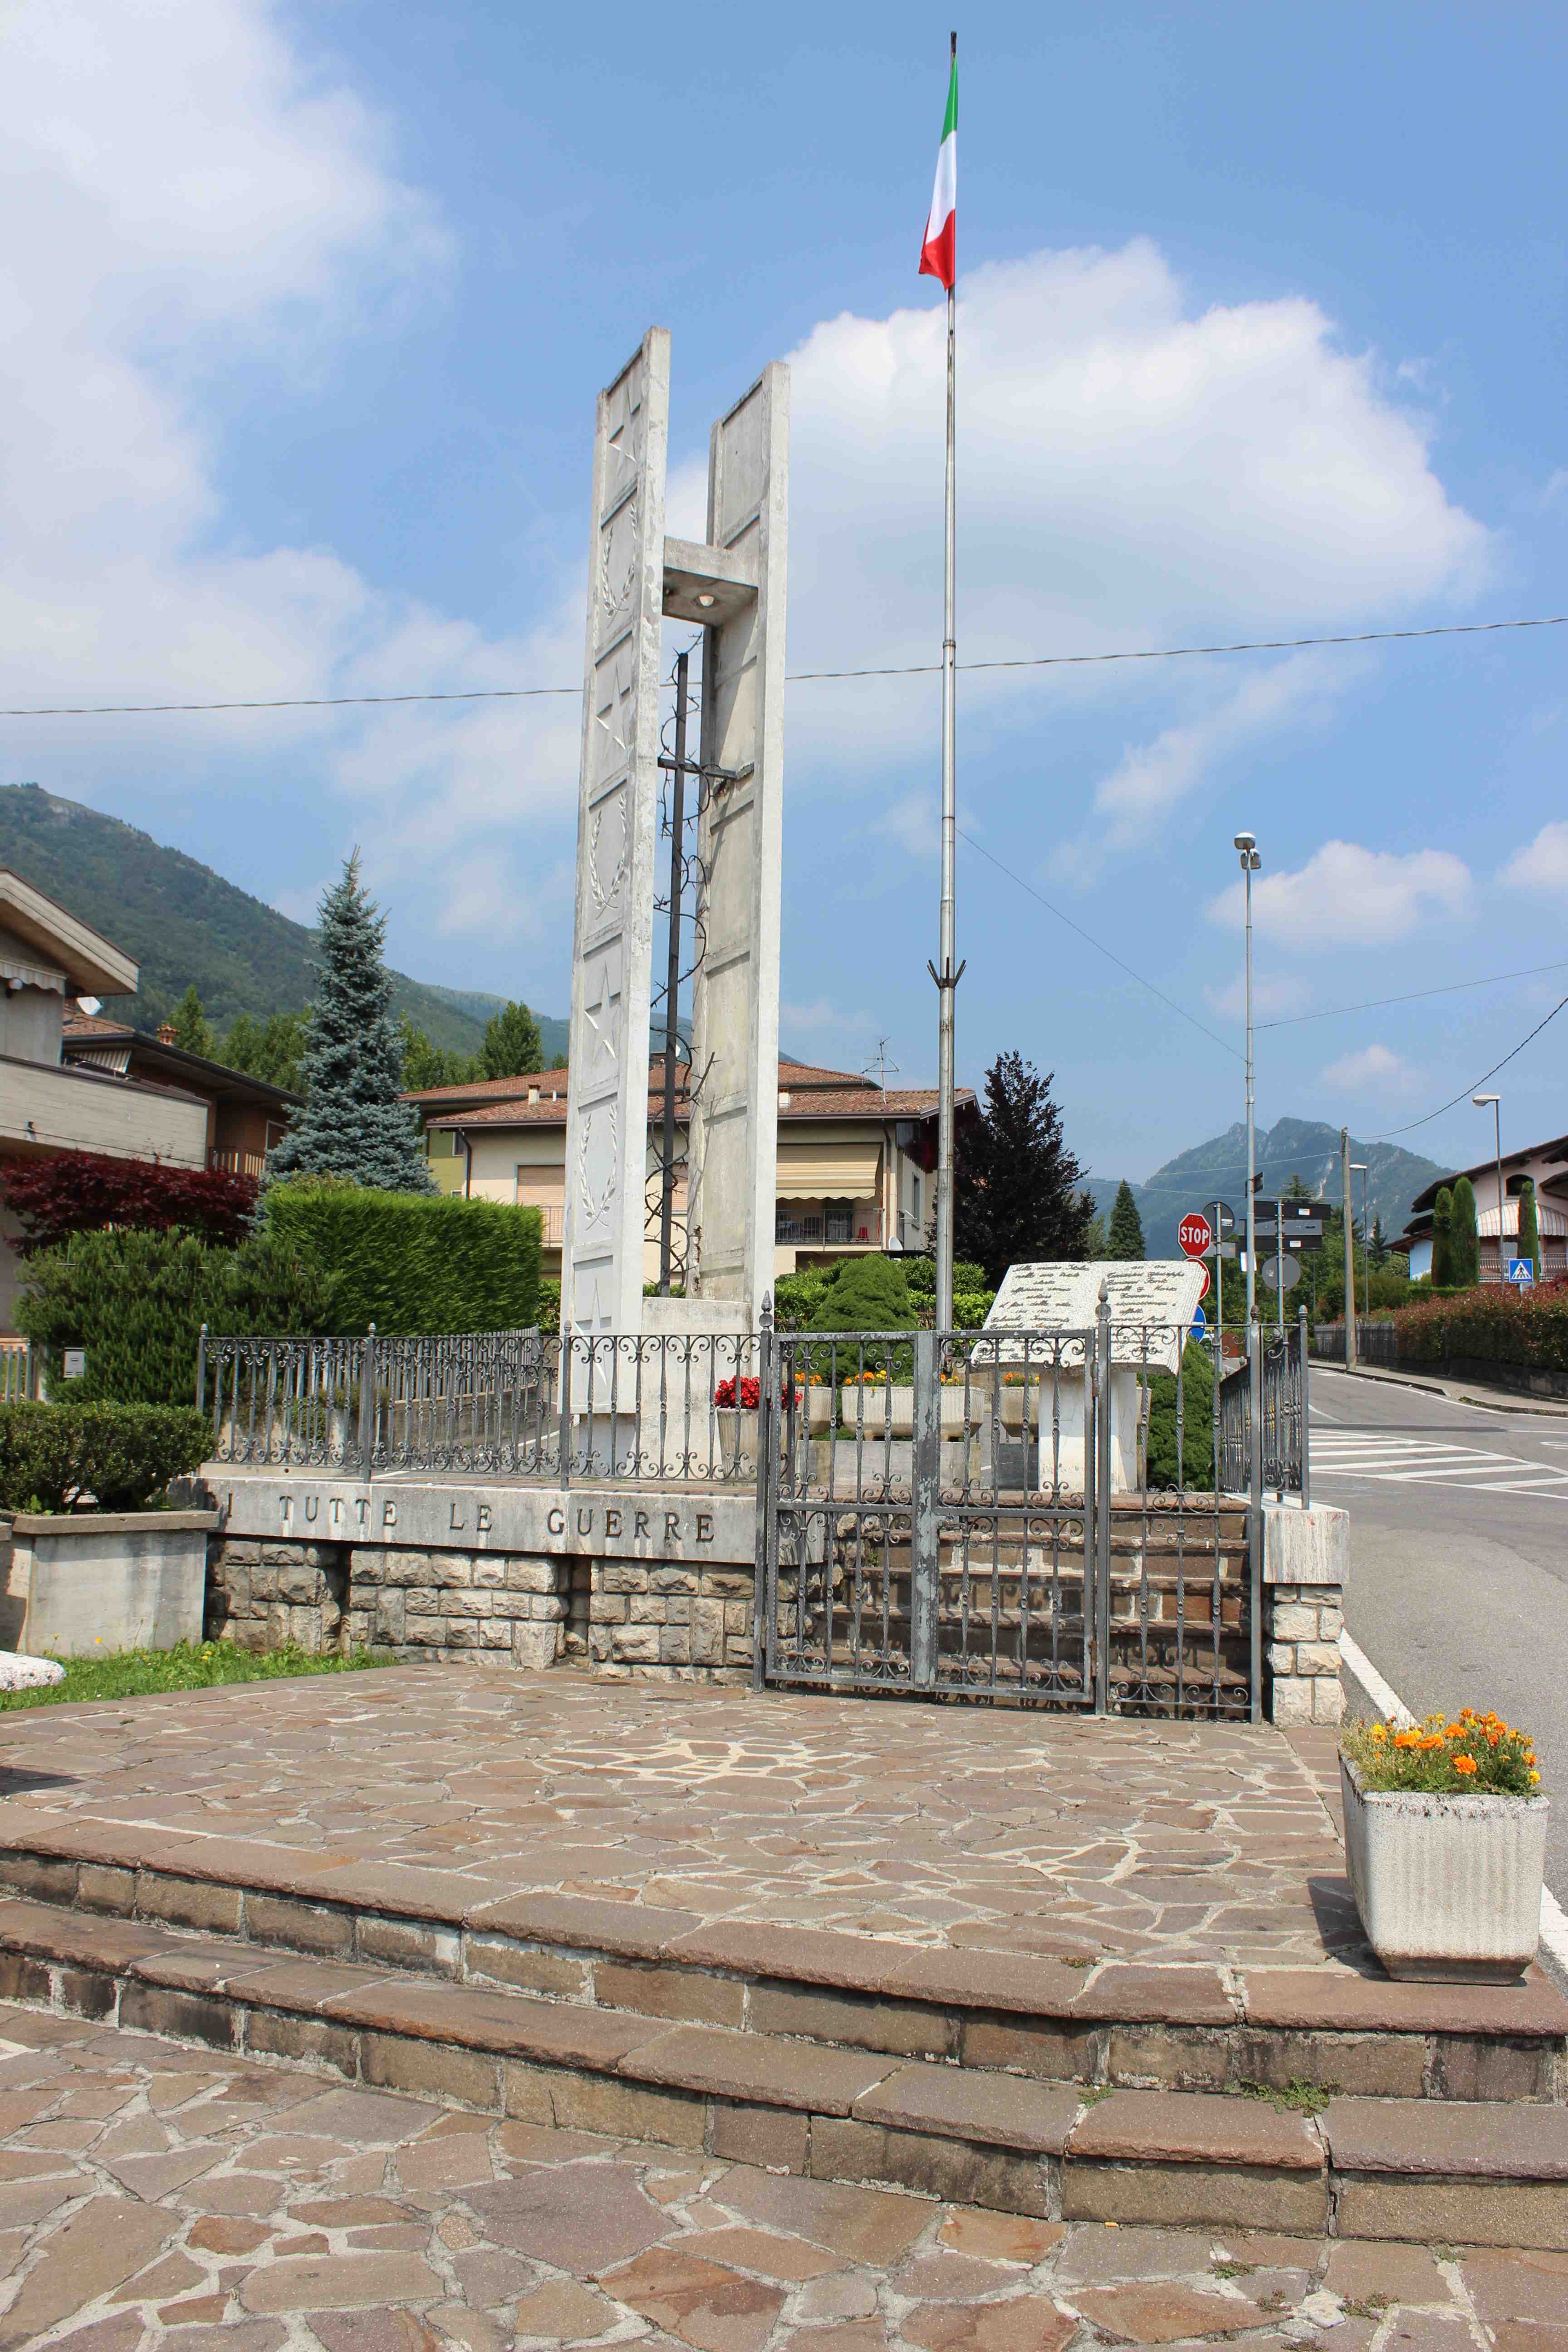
(1413, 996)
(1098, 946)
(796, 677)
(1471, 1089)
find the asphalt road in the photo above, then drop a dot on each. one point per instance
(1458, 1589)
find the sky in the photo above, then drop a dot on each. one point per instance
(1261, 335)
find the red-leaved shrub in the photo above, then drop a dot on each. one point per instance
(85, 1191)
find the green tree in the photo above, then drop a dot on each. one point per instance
(1015, 1198)
(1464, 1249)
(867, 1294)
(511, 1048)
(273, 1049)
(1096, 1240)
(354, 1124)
(426, 1066)
(1125, 1239)
(1378, 1246)
(190, 1025)
(1442, 1248)
(559, 1062)
(1529, 1226)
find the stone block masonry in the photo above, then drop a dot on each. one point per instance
(1306, 1566)
(679, 1610)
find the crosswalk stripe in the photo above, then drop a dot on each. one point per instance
(1387, 1458)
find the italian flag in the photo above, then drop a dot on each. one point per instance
(939, 254)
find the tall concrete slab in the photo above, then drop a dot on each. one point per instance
(606, 1122)
(731, 1185)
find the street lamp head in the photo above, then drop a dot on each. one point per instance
(1358, 1168)
(1244, 841)
(1481, 1101)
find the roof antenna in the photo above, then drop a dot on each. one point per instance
(880, 1066)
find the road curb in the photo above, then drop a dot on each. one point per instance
(1358, 1671)
(1451, 1392)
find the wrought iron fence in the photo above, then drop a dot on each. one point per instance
(520, 1404)
(972, 1515)
(1269, 1390)
(1376, 1342)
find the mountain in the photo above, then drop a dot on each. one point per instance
(1292, 1146)
(182, 922)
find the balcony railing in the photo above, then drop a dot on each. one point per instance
(238, 1163)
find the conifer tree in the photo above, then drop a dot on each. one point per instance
(1529, 1226)
(1125, 1239)
(1464, 1248)
(1015, 1198)
(189, 1024)
(354, 1124)
(1442, 1257)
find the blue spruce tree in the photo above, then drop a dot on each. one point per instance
(353, 1125)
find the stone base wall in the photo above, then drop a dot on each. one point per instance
(1302, 1625)
(624, 1617)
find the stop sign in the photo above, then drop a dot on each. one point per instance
(1194, 1233)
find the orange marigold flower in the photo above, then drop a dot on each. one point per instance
(1453, 1731)
(1494, 1738)
(1406, 1739)
(1466, 1714)
(1465, 1764)
(1429, 1740)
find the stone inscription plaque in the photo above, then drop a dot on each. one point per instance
(1151, 1304)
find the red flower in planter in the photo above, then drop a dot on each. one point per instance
(750, 1395)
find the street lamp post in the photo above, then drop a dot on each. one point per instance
(1246, 844)
(1481, 1102)
(1358, 1168)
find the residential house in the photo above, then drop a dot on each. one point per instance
(49, 1105)
(1546, 1164)
(246, 1116)
(855, 1161)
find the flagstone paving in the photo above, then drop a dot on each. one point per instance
(939, 1826)
(152, 2196)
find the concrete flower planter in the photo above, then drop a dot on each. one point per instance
(883, 1408)
(1449, 1889)
(82, 1582)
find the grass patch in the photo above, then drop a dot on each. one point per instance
(189, 1665)
(1298, 2097)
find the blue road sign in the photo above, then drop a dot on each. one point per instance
(1522, 1271)
(1200, 1323)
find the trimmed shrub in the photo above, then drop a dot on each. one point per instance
(868, 1294)
(1464, 1248)
(412, 1262)
(1490, 1325)
(84, 1192)
(137, 1301)
(121, 1455)
(1197, 1463)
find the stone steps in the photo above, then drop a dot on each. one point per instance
(1107, 2022)
(1479, 2173)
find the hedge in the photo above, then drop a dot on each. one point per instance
(136, 1303)
(1488, 1325)
(410, 1262)
(124, 1456)
(1197, 1463)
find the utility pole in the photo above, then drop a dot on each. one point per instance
(1481, 1102)
(672, 979)
(1247, 846)
(947, 977)
(1353, 1353)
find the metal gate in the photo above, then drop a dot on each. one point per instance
(1028, 1517)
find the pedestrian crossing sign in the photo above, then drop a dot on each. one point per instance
(1522, 1271)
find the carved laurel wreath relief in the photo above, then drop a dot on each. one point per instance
(596, 1199)
(603, 891)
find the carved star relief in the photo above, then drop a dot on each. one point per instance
(615, 717)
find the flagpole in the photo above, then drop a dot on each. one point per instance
(946, 977)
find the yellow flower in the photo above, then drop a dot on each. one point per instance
(1535, 1779)
(1378, 1734)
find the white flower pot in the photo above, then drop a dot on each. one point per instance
(1449, 1889)
(876, 1409)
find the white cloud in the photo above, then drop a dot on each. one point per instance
(1349, 896)
(1373, 1070)
(1541, 864)
(1128, 472)
(182, 196)
(822, 1014)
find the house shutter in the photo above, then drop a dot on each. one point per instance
(834, 1171)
